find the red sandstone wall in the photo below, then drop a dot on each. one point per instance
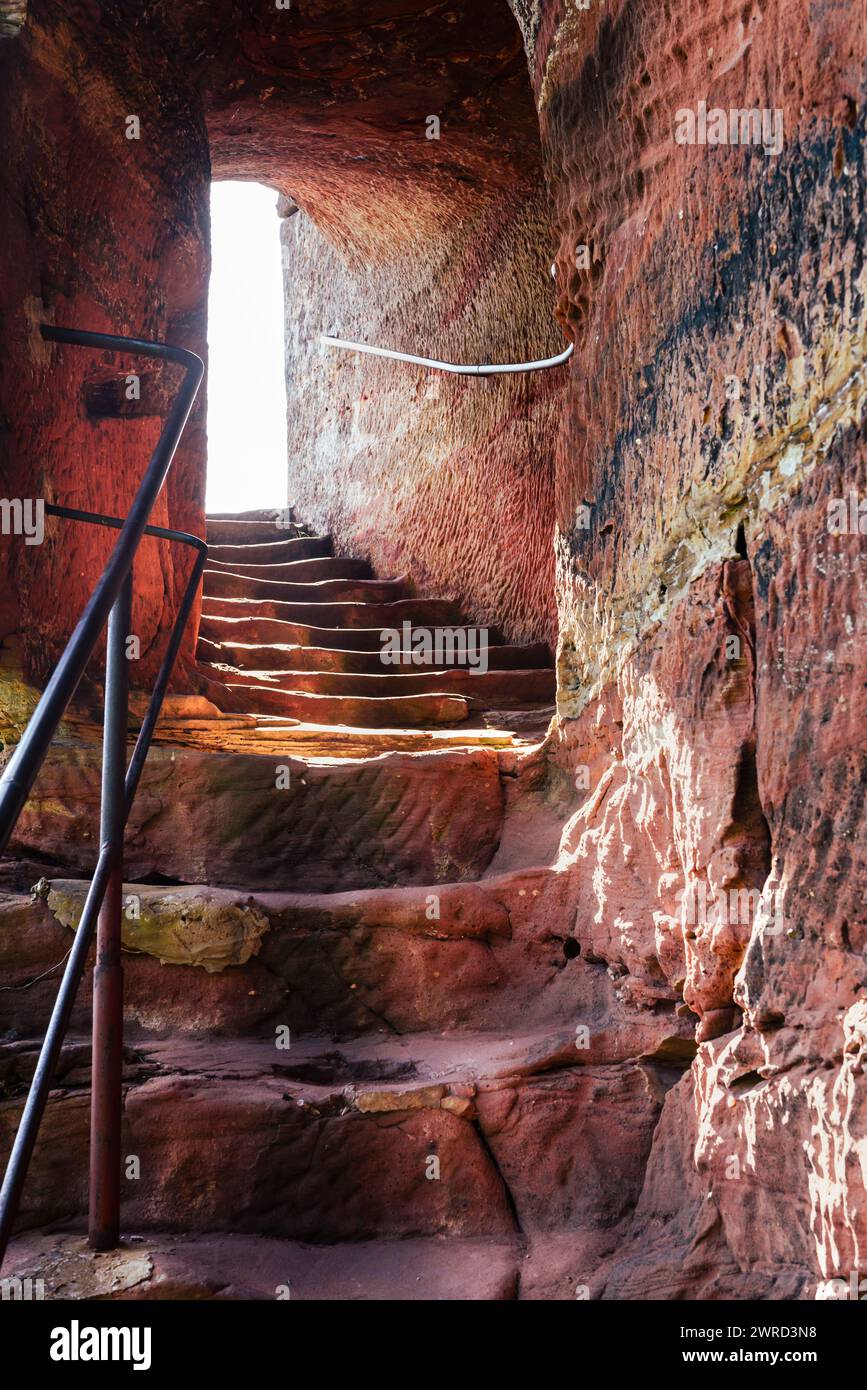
(446, 478)
(105, 233)
(717, 383)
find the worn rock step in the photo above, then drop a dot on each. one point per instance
(216, 928)
(296, 571)
(250, 529)
(505, 689)
(224, 584)
(379, 1073)
(273, 552)
(301, 658)
(230, 1137)
(265, 632)
(232, 1267)
(387, 1136)
(207, 960)
(464, 911)
(202, 817)
(466, 956)
(348, 711)
(423, 612)
(262, 733)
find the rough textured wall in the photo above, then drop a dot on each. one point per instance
(711, 677)
(105, 233)
(447, 478)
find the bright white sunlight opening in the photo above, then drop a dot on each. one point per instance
(246, 384)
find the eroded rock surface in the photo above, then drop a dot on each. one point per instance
(600, 1005)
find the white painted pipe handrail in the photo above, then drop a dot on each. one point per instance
(461, 369)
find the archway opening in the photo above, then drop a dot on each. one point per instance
(247, 467)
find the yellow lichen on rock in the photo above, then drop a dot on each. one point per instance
(209, 927)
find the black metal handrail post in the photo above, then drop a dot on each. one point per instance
(107, 1054)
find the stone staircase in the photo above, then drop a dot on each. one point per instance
(358, 1095)
(289, 629)
(351, 1067)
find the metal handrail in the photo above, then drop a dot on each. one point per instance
(458, 368)
(111, 600)
(152, 714)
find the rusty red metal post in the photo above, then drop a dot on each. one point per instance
(107, 1057)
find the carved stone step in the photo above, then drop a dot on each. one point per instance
(233, 818)
(247, 530)
(273, 552)
(501, 689)
(259, 630)
(350, 711)
(297, 571)
(305, 658)
(221, 584)
(390, 1136)
(422, 612)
